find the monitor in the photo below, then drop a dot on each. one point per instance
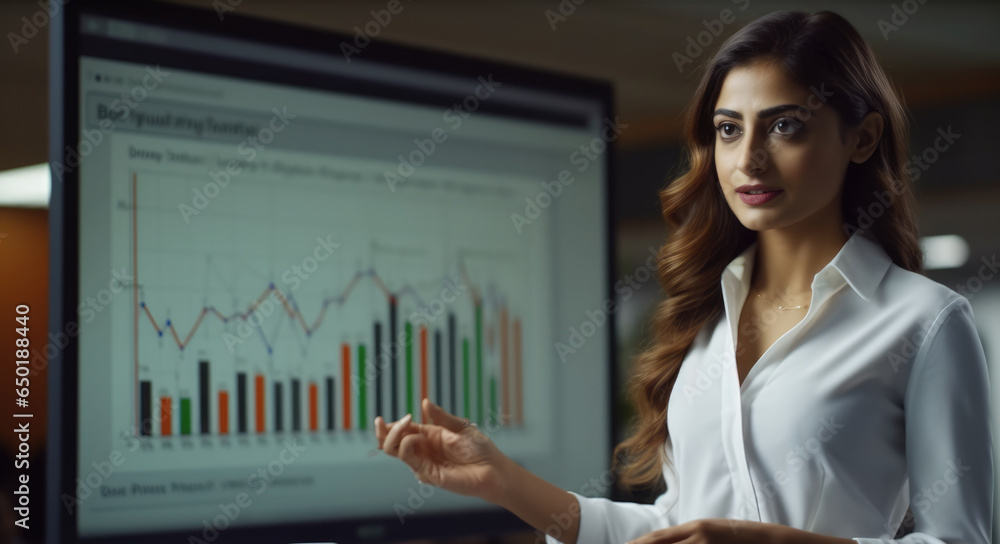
(265, 235)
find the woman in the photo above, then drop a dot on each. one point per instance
(857, 387)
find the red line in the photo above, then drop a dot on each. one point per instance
(196, 323)
(423, 363)
(135, 292)
(350, 286)
(382, 287)
(292, 312)
(223, 412)
(176, 338)
(259, 386)
(319, 318)
(256, 303)
(151, 320)
(345, 378)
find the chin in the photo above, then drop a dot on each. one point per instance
(757, 223)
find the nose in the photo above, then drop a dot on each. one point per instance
(754, 157)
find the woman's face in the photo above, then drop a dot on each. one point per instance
(771, 132)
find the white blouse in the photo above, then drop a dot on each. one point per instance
(877, 400)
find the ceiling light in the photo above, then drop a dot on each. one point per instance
(945, 251)
(27, 187)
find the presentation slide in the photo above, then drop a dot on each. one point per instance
(264, 268)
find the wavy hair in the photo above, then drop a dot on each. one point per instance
(822, 52)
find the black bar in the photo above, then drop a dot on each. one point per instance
(296, 406)
(394, 353)
(277, 407)
(379, 365)
(203, 397)
(330, 421)
(437, 365)
(451, 363)
(145, 408)
(241, 402)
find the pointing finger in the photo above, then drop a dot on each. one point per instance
(379, 430)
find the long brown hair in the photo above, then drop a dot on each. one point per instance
(822, 52)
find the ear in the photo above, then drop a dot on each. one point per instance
(868, 135)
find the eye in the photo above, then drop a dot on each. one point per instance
(788, 126)
(727, 130)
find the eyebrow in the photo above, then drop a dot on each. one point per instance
(762, 114)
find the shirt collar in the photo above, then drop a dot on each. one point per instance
(861, 263)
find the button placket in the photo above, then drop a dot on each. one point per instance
(732, 421)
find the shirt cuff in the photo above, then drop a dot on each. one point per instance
(589, 522)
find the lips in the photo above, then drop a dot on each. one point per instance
(756, 188)
(758, 199)
(757, 194)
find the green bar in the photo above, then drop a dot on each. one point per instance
(480, 398)
(493, 399)
(465, 375)
(362, 397)
(409, 368)
(185, 416)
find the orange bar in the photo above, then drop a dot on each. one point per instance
(504, 385)
(223, 412)
(259, 386)
(423, 364)
(518, 406)
(345, 378)
(165, 427)
(313, 410)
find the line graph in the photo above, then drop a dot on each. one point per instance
(353, 343)
(291, 309)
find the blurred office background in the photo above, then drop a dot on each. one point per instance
(944, 56)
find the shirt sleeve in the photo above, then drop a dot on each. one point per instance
(948, 439)
(603, 521)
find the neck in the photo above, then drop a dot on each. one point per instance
(788, 258)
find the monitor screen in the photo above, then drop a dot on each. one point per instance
(265, 236)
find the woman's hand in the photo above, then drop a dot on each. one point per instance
(446, 452)
(735, 531)
(708, 531)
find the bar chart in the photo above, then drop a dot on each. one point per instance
(322, 353)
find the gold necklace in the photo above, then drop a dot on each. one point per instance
(779, 306)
